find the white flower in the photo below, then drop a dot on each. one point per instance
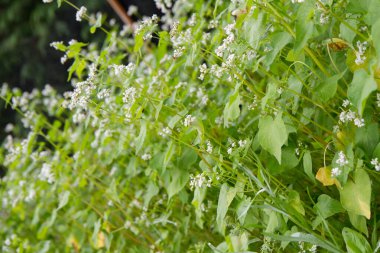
(199, 181)
(55, 44)
(165, 131)
(342, 160)
(129, 95)
(346, 103)
(209, 147)
(375, 162)
(203, 71)
(335, 172)
(188, 120)
(81, 13)
(146, 157)
(359, 122)
(313, 249)
(9, 128)
(362, 47)
(242, 143)
(47, 1)
(132, 10)
(46, 173)
(378, 99)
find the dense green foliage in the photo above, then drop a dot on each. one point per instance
(251, 126)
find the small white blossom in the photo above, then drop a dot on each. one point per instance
(47, 1)
(199, 181)
(81, 13)
(375, 163)
(359, 122)
(178, 52)
(336, 172)
(362, 47)
(209, 147)
(64, 59)
(46, 174)
(346, 103)
(129, 95)
(188, 120)
(165, 131)
(132, 10)
(378, 99)
(55, 44)
(9, 128)
(242, 143)
(324, 18)
(146, 157)
(203, 71)
(313, 249)
(342, 160)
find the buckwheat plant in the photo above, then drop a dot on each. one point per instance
(216, 127)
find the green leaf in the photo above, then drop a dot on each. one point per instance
(162, 45)
(295, 201)
(169, 153)
(112, 191)
(280, 40)
(59, 2)
(375, 32)
(359, 222)
(325, 208)
(302, 237)
(63, 199)
(243, 208)
(140, 139)
(94, 237)
(356, 195)
(367, 137)
(175, 179)
(152, 190)
(308, 165)
(272, 135)
(360, 88)
(226, 196)
(346, 33)
(304, 25)
(139, 41)
(355, 242)
(232, 110)
(253, 29)
(373, 10)
(327, 88)
(199, 195)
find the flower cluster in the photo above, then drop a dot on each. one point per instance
(46, 173)
(362, 47)
(81, 13)
(189, 119)
(225, 46)
(350, 116)
(199, 181)
(341, 162)
(375, 163)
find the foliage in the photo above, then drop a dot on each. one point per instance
(250, 126)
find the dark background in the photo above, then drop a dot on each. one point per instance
(27, 27)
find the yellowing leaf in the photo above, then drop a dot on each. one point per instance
(324, 176)
(101, 242)
(73, 242)
(356, 196)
